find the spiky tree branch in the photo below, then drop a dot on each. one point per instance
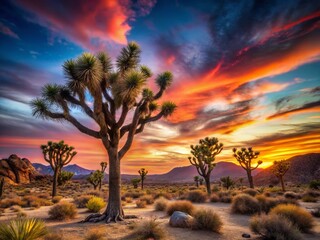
(279, 169)
(143, 173)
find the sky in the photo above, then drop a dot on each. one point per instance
(246, 72)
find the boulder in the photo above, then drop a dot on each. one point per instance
(180, 219)
(17, 170)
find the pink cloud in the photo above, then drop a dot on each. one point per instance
(7, 31)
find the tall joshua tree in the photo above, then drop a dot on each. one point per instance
(143, 173)
(57, 154)
(279, 169)
(121, 107)
(103, 169)
(204, 155)
(245, 157)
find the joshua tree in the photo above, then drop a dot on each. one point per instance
(135, 182)
(1, 186)
(121, 107)
(58, 155)
(201, 181)
(143, 173)
(64, 177)
(245, 157)
(103, 169)
(204, 156)
(240, 181)
(227, 182)
(279, 169)
(196, 180)
(95, 178)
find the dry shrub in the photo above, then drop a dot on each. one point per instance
(148, 199)
(56, 199)
(181, 205)
(274, 227)
(128, 200)
(35, 202)
(53, 236)
(63, 211)
(161, 204)
(15, 208)
(141, 203)
(298, 216)
(8, 202)
(95, 193)
(134, 195)
(197, 196)
(164, 195)
(95, 204)
(291, 195)
(308, 198)
(250, 192)
(214, 198)
(148, 229)
(316, 212)
(207, 219)
(82, 200)
(94, 235)
(245, 204)
(312, 193)
(225, 196)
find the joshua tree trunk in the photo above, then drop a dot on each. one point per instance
(1, 187)
(250, 179)
(207, 180)
(142, 184)
(197, 184)
(55, 182)
(282, 184)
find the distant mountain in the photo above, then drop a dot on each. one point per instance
(303, 169)
(76, 169)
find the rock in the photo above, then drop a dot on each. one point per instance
(180, 219)
(17, 170)
(246, 235)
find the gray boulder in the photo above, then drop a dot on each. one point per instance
(180, 219)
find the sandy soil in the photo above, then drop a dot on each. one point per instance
(234, 225)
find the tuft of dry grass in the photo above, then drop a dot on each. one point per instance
(141, 203)
(292, 195)
(245, 204)
(298, 216)
(207, 219)
(94, 235)
(196, 196)
(161, 204)
(250, 191)
(274, 227)
(214, 198)
(148, 229)
(63, 211)
(82, 200)
(148, 199)
(181, 205)
(56, 199)
(54, 236)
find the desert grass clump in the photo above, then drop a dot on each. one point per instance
(308, 198)
(23, 229)
(95, 204)
(8, 202)
(94, 235)
(148, 199)
(164, 195)
(56, 199)
(214, 198)
(250, 191)
(141, 203)
(298, 216)
(180, 205)
(245, 204)
(148, 229)
(82, 200)
(196, 196)
(274, 228)
(207, 219)
(291, 195)
(63, 211)
(35, 202)
(161, 204)
(225, 196)
(54, 236)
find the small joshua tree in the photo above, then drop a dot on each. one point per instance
(245, 157)
(95, 178)
(196, 180)
(103, 169)
(58, 155)
(227, 182)
(240, 181)
(143, 173)
(64, 177)
(279, 169)
(204, 156)
(201, 181)
(135, 182)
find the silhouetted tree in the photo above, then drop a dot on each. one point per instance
(201, 181)
(143, 173)
(103, 169)
(121, 107)
(279, 169)
(58, 155)
(227, 182)
(245, 157)
(135, 182)
(196, 180)
(204, 156)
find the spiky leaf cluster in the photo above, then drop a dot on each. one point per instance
(227, 182)
(280, 168)
(245, 157)
(64, 177)
(95, 178)
(143, 173)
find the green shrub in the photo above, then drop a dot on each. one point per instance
(63, 211)
(82, 200)
(95, 204)
(245, 204)
(274, 228)
(180, 205)
(314, 184)
(161, 204)
(298, 216)
(197, 196)
(23, 229)
(207, 219)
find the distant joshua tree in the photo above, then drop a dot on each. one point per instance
(201, 181)
(143, 173)
(227, 182)
(241, 182)
(135, 182)
(279, 169)
(196, 180)
(245, 157)
(204, 156)
(95, 178)
(122, 105)
(58, 155)
(103, 169)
